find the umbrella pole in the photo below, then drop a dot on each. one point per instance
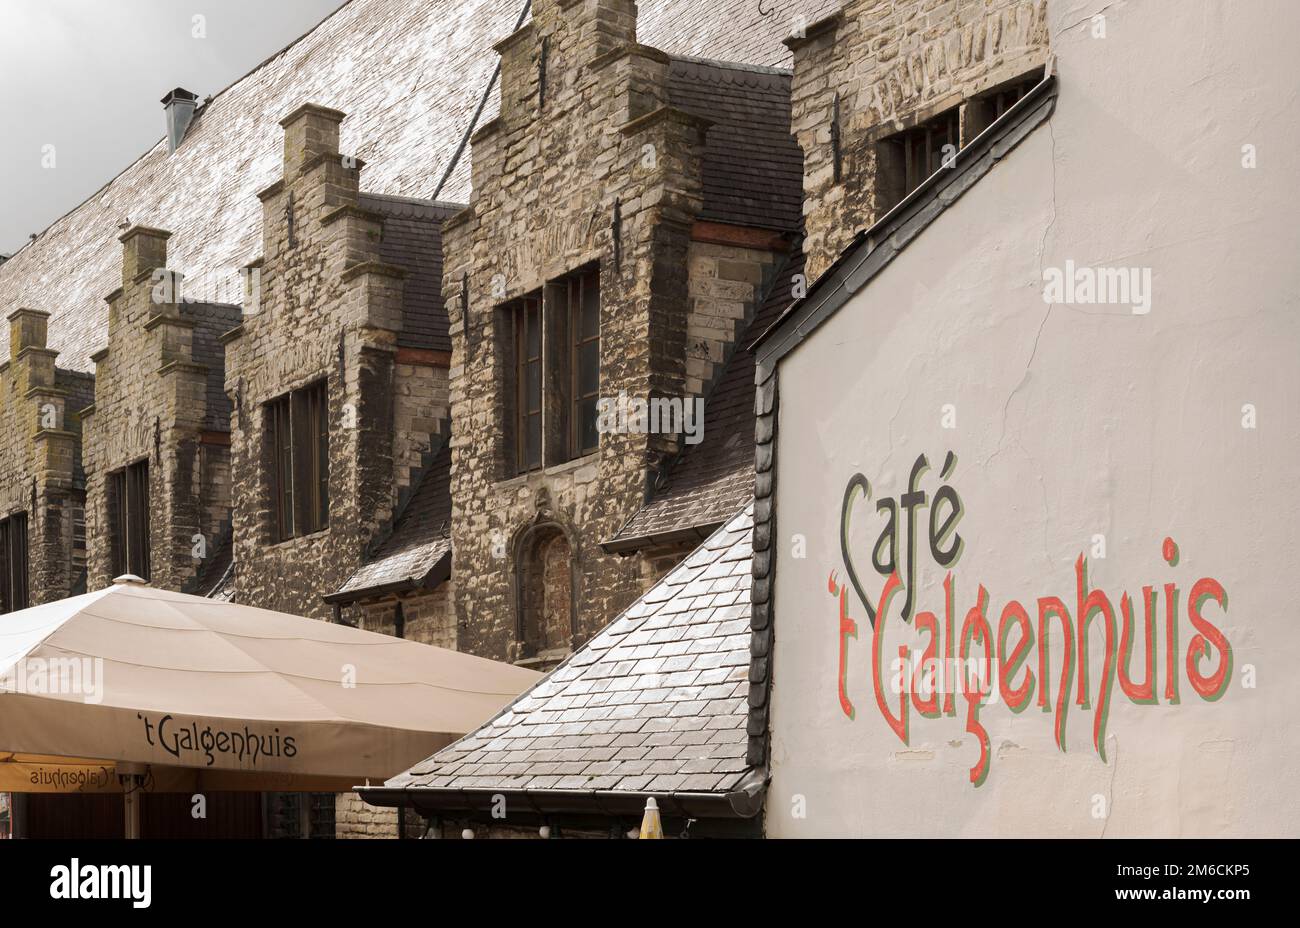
(131, 776)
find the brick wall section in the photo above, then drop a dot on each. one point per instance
(546, 179)
(153, 402)
(893, 63)
(428, 618)
(40, 456)
(329, 310)
(421, 419)
(726, 283)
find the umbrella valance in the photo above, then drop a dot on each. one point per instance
(136, 675)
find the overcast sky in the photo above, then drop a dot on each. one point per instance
(87, 77)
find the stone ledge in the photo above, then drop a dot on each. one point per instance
(143, 230)
(631, 48)
(815, 30)
(33, 349)
(373, 267)
(356, 212)
(26, 311)
(456, 220)
(514, 38)
(44, 434)
(271, 191)
(489, 128)
(314, 109)
(46, 391)
(187, 366)
(158, 319)
(662, 114)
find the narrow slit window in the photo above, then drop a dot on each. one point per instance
(584, 323)
(14, 581)
(528, 383)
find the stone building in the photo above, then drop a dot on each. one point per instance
(335, 411)
(319, 412)
(156, 440)
(629, 210)
(885, 93)
(42, 481)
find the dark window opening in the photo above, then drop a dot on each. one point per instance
(298, 435)
(128, 503)
(583, 295)
(904, 160)
(552, 382)
(980, 112)
(14, 584)
(526, 351)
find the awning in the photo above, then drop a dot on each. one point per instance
(233, 696)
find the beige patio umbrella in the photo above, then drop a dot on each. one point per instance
(183, 693)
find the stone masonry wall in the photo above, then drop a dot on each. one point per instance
(151, 405)
(893, 63)
(421, 418)
(329, 310)
(726, 282)
(586, 163)
(40, 456)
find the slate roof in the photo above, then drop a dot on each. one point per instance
(753, 167)
(212, 320)
(710, 481)
(418, 552)
(215, 574)
(413, 241)
(409, 74)
(656, 702)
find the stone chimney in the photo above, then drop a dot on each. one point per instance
(179, 105)
(144, 250)
(27, 329)
(311, 132)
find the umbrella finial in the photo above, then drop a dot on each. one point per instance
(651, 826)
(130, 580)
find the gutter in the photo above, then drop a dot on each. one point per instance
(742, 803)
(629, 546)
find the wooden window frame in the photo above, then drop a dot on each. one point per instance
(15, 566)
(298, 433)
(577, 288)
(542, 383)
(130, 520)
(525, 413)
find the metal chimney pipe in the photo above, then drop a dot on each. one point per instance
(179, 105)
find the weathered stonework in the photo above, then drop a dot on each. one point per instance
(153, 403)
(588, 164)
(892, 65)
(330, 310)
(40, 457)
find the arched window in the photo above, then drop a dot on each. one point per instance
(545, 592)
